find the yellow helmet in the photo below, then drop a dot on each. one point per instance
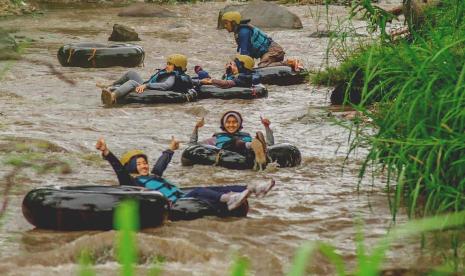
(178, 60)
(233, 16)
(129, 155)
(248, 62)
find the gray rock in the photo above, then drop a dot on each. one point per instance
(123, 33)
(147, 10)
(264, 15)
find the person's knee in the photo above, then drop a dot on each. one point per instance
(131, 74)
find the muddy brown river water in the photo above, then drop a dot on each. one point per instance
(317, 201)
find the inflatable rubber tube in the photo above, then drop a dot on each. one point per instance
(280, 75)
(286, 155)
(89, 55)
(157, 96)
(254, 92)
(89, 207)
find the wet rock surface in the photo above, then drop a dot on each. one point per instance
(264, 15)
(123, 33)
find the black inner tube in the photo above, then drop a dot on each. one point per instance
(92, 207)
(281, 75)
(211, 91)
(156, 96)
(286, 155)
(97, 55)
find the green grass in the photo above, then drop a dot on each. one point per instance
(419, 119)
(368, 263)
(127, 223)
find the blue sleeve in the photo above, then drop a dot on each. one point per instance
(244, 41)
(162, 163)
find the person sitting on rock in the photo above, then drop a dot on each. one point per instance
(172, 77)
(253, 42)
(232, 139)
(133, 170)
(239, 73)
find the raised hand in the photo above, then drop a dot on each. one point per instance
(265, 121)
(174, 144)
(102, 146)
(200, 123)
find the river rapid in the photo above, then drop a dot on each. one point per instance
(317, 201)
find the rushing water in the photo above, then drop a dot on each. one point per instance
(315, 201)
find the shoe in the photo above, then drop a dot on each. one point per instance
(237, 199)
(258, 146)
(259, 135)
(260, 190)
(108, 97)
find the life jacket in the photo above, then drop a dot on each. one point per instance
(152, 182)
(224, 138)
(258, 39)
(182, 81)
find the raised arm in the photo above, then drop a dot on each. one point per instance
(269, 133)
(165, 158)
(124, 178)
(195, 133)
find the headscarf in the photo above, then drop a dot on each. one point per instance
(235, 114)
(131, 166)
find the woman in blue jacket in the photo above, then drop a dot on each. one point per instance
(233, 139)
(253, 42)
(133, 170)
(172, 77)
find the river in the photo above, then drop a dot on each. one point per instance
(317, 201)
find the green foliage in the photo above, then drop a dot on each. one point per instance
(240, 266)
(85, 264)
(369, 264)
(17, 2)
(127, 222)
(157, 266)
(376, 16)
(420, 118)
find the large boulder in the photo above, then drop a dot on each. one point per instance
(123, 33)
(147, 10)
(264, 15)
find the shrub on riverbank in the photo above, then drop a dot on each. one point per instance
(419, 83)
